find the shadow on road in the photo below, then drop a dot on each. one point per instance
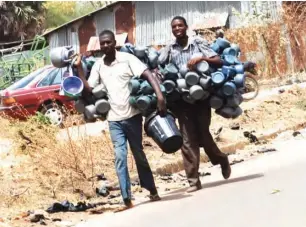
(222, 182)
(167, 197)
(232, 180)
(180, 193)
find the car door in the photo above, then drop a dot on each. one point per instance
(30, 97)
(55, 87)
(41, 92)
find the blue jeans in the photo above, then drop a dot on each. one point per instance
(130, 130)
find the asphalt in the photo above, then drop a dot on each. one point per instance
(268, 190)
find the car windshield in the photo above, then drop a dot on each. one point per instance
(22, 83)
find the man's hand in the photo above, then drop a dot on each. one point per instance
(161, 107)
(78, 61)
(161, 104)
(191, 64)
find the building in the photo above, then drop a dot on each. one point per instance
(148, 23)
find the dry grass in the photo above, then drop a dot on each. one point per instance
(51, 169)
(265, 41)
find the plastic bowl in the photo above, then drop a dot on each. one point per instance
(72, 86)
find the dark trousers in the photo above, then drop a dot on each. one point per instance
(194, 121)
(130, 130)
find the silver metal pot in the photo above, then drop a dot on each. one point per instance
(205, 82)
(90, 112)
(169, 85)
(192, 78)
(61, 56)
(99, 91)
(196, 92)
(140, 51)
(79, 106)
(102, 106)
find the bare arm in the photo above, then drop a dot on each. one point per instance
(87, 89)
(161, 104)
(215, 60)
(210, 56)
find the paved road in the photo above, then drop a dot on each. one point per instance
(267, 191)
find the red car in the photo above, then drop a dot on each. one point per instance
(38, 91)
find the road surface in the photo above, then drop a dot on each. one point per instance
(266, 191)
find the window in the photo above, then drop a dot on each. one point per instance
(58, 78)
(46, 81)
(25, 80)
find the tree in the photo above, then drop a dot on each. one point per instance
(99, 4)
(20, 20)
(60, 12)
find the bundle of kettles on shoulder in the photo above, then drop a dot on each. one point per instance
(221, 87)
(92, 105)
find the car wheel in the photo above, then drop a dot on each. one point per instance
(55, 113)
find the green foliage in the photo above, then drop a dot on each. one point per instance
(20, 19)
(41, 119)
(60, 12)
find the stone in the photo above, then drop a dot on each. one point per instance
(296, 133)
(203, 174)
(235, 126)
(251, 137)
(42, 222)
(56, 219)
(281, 90)
(265, 150)
(236, 161)
(36, 217)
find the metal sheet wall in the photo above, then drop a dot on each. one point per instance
(86, 29)
(104, 20)
(53, 40)
(124, 20)
(62, 37)
(153, 18)
(66, 36)
(270, 7)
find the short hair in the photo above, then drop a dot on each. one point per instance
(107, 32)
(180, 18)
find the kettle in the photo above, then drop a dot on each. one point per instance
(192, 78)
(61, 56)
